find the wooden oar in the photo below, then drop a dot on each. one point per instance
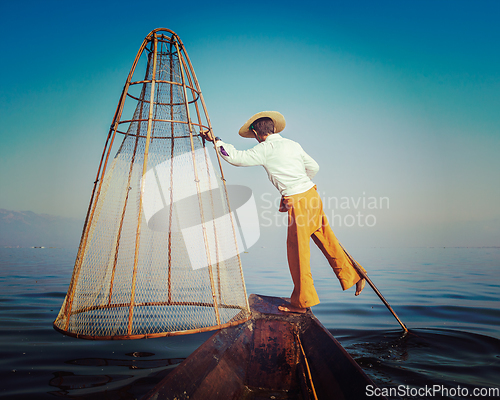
(363, 274)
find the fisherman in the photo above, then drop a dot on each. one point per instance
(290, 169)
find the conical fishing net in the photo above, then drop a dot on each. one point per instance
(159, 253)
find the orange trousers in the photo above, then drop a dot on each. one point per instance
(306, 219)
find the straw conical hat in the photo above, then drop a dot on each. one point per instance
(278, 119)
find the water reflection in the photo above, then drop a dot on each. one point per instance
(112, 385)
(131, 364)
(67, 381)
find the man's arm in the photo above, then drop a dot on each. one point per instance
(245, 158)
(241, 158)
(311, 166)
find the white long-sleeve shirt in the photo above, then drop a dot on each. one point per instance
(289, 167)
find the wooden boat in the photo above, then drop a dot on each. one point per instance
(274, 355)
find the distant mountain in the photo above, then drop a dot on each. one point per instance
(27, 229)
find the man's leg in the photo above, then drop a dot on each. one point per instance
(298, 252)
(326, 240)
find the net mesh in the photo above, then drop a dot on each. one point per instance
(159, 254)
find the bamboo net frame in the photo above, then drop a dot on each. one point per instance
(159, 252)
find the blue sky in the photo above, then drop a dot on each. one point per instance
(394, 99)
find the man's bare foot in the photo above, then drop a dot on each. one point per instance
(292, 309)
(360, 285)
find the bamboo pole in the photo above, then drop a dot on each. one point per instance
(217, 255)
(195, 98)
(171, 205)
(309, 375)
(141, 193)
(154, 335)
(365, 276)
(207, 247)
(97, 190)
(126, 198)
(153, 304)
(222, 176)
(162, 120)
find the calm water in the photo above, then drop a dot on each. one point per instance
(448, 297)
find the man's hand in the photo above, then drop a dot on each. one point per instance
(207, 135)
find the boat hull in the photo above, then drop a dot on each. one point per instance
(273, 355)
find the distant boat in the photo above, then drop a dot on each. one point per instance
(272, 356)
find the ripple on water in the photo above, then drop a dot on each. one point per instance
(426, 357)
